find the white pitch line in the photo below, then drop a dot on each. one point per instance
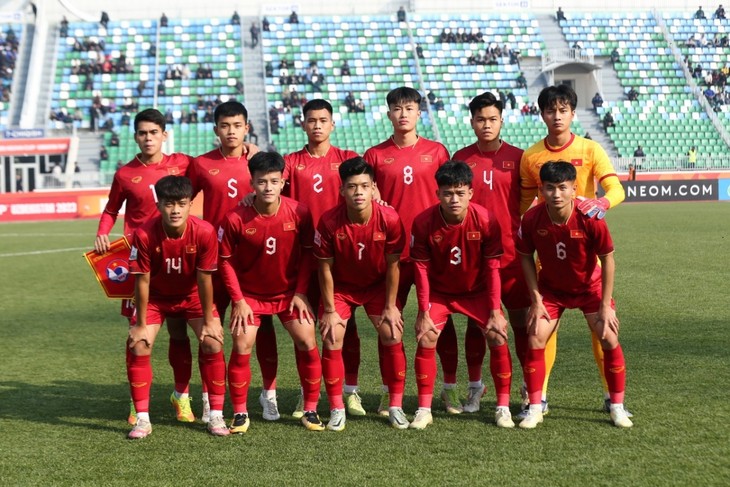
(39, 252)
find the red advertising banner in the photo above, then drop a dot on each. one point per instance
(111, 270)
(33, 146)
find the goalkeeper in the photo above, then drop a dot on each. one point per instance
(557, 108)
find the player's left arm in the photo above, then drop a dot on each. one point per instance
(606, 314)
(605, 174)
(138, 331)
(492, 252)
(391, 314)
(211, 327)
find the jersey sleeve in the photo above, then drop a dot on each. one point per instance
(395, 236)
(492, 240)
(606, 175)
(523, 238)
(443, 155)
(192, 174)
(420, 250)
(600, 236)
(208, 252)
(287, 168)
(323, 248)
(306, 227)
(139, 255)
(528, 185)
(113, 205)
(228, 236)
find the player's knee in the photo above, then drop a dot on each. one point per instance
(210, 345)
(428, 341)
(495, 340)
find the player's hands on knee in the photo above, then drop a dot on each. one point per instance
(212, 330)
(392, 317)
(138, 334)
(300, 305)
(592, 207)
(607, 321)
(424, 325)
(241, 317)
(328, 325)
(101, 244)
(496, 324)
(536, 313)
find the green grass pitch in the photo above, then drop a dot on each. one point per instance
(64, 396)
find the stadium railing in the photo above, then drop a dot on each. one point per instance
(669, 163)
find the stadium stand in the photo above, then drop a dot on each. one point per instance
(10, 38)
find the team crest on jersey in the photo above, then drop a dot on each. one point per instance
(577, 234)
(213, 172)
(576, 162)
(542, 232)
(508, 164)
(221, 232)
(335, 166)
(472, 164)
(173, 171)
(437, 238)
(250, 231)
(341, 236)
(118, 270)
(133, 253)
(378, 236)
(301, 167)
(426, 158)
(317, 238)
(289, 226)
(191, 249)
(136, 179)
(388, 160)
(473, 235)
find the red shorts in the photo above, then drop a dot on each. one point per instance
(189, 308)
(515, 294)
(474, 307)
(588, 302)
(278, 307)
(372, 299)
(406, 281)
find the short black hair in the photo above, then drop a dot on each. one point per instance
(559, 94)
(403, 94)
(355, 167)
(454, 173)
(317, 104)
(230, 109)
(150, 115)
(486, 99)
(173, 188)
(556, 172)
(266, 162)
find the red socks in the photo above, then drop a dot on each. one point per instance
(614, 367)
(351, 352)
(266, 352)
(310, 375)
(239, 380)
(214, 367)
(333, 371)
(181, 361)
(534, 373)
(139, 373)
(425, 375)
(394, 361)
(448, 351)
(500, 364)
(475, 348)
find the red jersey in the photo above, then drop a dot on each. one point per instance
(315, 181)
(173, 263)
(358, 250)
(497, 187)
(134, 183)
(568, 253)
(266, 251)
(224, 181)
(457, 254)
(405, 177)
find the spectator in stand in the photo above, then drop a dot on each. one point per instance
(639, 152)
(525, 110)
(615, 56)
(126, 119)
(692, 157)
(255, 31)
(163, 20)
(169, 119)
(633, 95)
(697, 71)
(597, 101)
(560, 15)
(104, 19)
(64, 27)
(401, 14)
(608, 121)
(419, 51)
(114, 141)
(345, 68)
(700, 14)
(253, 137)
(632, 172)
(235, 18)
(512, 100)
(293, 18)
(265, 24)
(350, 102)
(161, 88)
(521, 80)
(103, 155)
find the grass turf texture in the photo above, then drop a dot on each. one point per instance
(64, 396)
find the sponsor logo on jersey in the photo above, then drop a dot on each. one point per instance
(437, 238)
(577, 234)
(542, 232)
(388, 160)
(173, 171)
(289, 226)
(473, 235)
(377, 236)
(136, 179)
(213, 172)
(426, 158)
(118, 270)
(301, 167)
(191, 249)
(472, 164)
(334, 166)
(341, 236)
(576, 162)
(508, 164)
(250, 231)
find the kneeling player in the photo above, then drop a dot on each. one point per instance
(173, 257)
(567, 243)
(358, 245)
(457, 247)
(266, 262)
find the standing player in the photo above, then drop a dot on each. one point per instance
(222, 174)
(496, 166)
(173, 257)
(358, 245)
(456, 248)
(569, 245)
(134, 184)
(557, 108)
(404, 168)
(266, 262)
(312, 178)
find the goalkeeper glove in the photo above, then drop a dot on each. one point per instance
(592, 207)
